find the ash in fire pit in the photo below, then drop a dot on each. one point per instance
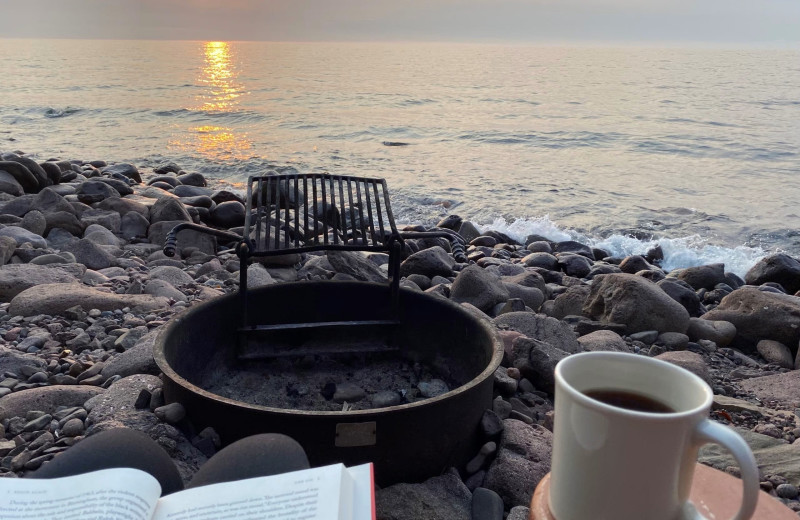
(331, 383)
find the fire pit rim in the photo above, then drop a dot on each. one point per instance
(169, 372)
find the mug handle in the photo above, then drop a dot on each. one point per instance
(708, 431)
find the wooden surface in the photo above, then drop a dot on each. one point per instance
(713, 493)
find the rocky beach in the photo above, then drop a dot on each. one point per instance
(85, 289)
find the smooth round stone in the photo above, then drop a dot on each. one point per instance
(348, 392)
(170, 413)
(787, 491)
(38, 377)
(73, 428)
(433, 388)
(385, 398)
(486, 505)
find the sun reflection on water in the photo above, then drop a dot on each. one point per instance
(221, 95)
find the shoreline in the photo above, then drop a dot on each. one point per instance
(85, 288)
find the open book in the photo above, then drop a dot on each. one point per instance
(327, 493)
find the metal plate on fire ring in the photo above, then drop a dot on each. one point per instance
(349, 435)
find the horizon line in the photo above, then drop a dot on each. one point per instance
(786, 44)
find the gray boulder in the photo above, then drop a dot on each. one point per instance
(692, 362)
(55, 298)
(541, 259)
(172, 275)
(34, 222)
(157, 233)
(475, 286)
(536, 361)
(165, 290)
(128, 170)
(703, 276)
(228, 214)
(46, 399)
(543, 328)
(107, 218)
(603, 340)
(531, 296)
(574, 264)
(133, 225)
(636, 302)
(123, 206)
(783, 388)
(63, 220)
(22, 235)
(570, 302)
(523, 459)
(428, 262)
(8, 184)
(90, 254)
(760, 315)
(439, 498)
(7, 247)
(15, 278)
(22, 175)
(779, 268)
(355, 264)
(13, 361)
(775, 352)
(115, 407)
(684, 294)
(93, 191)
(168, 209)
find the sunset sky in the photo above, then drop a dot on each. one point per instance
(711, 21)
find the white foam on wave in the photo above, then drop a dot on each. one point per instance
(679, 252)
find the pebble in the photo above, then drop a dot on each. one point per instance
(787, 491)
(171, 413)
(73, 428)
(486, 505)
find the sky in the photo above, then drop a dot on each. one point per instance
(771, 22)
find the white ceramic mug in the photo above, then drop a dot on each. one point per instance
(612, 463)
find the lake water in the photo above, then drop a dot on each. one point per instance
(696, 149)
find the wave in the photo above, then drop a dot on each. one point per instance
(60, 112)
(681, 252)
(555, 140)
(236, 116)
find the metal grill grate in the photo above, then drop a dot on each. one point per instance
(317, 211)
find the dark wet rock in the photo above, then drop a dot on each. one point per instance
(633, 264)
(171, 413)
(228, 214)
(133, 225)
(760, 315)
(537, 244)
(571, 246)
(193, 179)
(704, 276)
(527, 278)
(191, 191)
(779, 268)
(356, 265)
(475, 286)
(8, 184)
(636, 302)
(451, 222)
(123, 206)
(65, 220)
(128, 170)
(439, 498)
(164, 179)
(530, 296)
(540, 327)
(221, 196)
(22, 175)
(486, 505)
(206, 202)
(93, 191)
(523, 459)
(574, 264)
(428, 262)
(168, 209)
(121, 187)
(684, 294)
(166, 167)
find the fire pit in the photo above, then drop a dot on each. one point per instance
(407, 442)
(245, 340)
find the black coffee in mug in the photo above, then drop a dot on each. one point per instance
(629, 400)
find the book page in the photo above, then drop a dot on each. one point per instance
(363, 492)
(109, 494)
(311, 494)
